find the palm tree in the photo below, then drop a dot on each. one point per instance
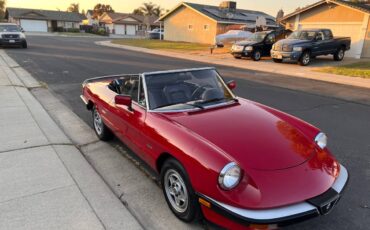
(148, 9)
(99, 9)
(74, 7)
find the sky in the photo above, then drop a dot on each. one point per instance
(268, 6)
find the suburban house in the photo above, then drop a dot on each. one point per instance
(344, 18)
(128, 24)
(43, 20)
(190, 22)
(89, 19)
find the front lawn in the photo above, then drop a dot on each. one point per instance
(163, 45)
(358, 69)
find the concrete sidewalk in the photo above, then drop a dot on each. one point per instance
(292, 70)
(45, 182)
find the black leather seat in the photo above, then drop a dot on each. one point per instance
(178, 93)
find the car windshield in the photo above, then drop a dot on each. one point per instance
(257, 37)
(186, 90)
(303, 35)
(10, 28)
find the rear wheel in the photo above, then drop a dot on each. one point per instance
(101, 130)
(305, 59)
(256, 56)
(178, 192)
(339, 55)
(277, 60)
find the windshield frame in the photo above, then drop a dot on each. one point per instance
(189, 109)
(254, 34)
(10, 25)
(300, 31)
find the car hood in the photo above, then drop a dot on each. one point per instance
(249, 134)
(293, 42)
(247, 43)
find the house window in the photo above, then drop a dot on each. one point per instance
(190, 27)
(206, 27)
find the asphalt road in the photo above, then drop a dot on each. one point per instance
(63, 63)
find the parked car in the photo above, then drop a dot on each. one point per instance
(303, 45)
(257, 46)
(236, 161)
(231, 36)
(156, 34)
(12, 35)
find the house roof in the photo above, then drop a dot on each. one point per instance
(22, 13)
(118, 18)
(239, 16)
(364, 7)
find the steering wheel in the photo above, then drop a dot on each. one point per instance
(197, 94)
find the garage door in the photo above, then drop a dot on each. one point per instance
(120, 29)
(131, 30)
(34, 25)
(346, 30)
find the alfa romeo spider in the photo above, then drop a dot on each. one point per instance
(224, 158)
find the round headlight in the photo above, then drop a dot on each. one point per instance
(321, 140)
(249, 48)
(229, 176)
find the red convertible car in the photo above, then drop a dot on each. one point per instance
(233, 161)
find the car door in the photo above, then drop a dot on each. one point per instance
(134, 118)
(319, 44)
(268, 42)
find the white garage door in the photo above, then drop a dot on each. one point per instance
(34, 25)
(119, 29)
(345, 30)
(130, 30)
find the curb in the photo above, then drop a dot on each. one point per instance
(269, 68)
(108, 208)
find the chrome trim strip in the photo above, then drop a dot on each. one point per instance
(83, 99)
(177, 70)
(341, 180)
(275, 213)
(269, 214)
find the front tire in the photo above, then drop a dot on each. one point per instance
(305, 59)
(24, 45)
(178, 192)
(339, 55)
(277, 60)
(256, 56)
(101, 130)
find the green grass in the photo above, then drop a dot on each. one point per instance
(358, 69)
(162, 45)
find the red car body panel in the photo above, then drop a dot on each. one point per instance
(281, 163)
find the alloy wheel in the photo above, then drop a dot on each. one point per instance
(98, 123)
(176, 191)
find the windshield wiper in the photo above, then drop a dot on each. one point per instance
(217, 100)
(186, 103)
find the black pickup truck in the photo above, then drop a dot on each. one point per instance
(303, 45)
(257, 46)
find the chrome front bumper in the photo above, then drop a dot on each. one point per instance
(283, 215)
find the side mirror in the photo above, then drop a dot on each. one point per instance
(231, 84)
(124, 100)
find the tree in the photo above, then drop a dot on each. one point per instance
(74, 7)
(2, 9)
(100, 9)
(83, 12)
(148, 9)
(279, 15)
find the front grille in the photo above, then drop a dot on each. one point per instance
(278, 47)
(287, 48)
(10, 36)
